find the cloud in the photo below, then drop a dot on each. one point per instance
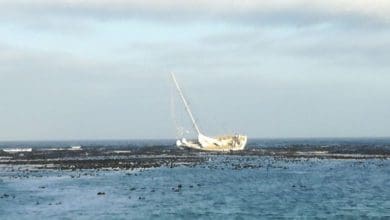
(353, 47)
(49, 66)
(300, 12)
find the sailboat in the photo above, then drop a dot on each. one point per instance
(204, 143)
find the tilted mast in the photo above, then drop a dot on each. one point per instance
(187, 107)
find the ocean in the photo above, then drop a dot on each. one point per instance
(224, 186)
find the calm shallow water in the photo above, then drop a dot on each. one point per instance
(221, 188)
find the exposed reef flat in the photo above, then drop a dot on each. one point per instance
(169, 156)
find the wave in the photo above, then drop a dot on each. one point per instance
(16, 150)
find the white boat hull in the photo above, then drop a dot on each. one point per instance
(221, 144)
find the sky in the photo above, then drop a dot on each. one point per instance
(269, 69)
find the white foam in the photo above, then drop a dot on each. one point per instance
(122, 151)
(75, 148)
(16, 150)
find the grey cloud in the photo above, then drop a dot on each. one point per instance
(322, 43)
(296, 13)
(16, 62)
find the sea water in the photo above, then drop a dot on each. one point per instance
(225, 187)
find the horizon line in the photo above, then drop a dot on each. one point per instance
(168, 139)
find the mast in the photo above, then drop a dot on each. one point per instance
(187, 107)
